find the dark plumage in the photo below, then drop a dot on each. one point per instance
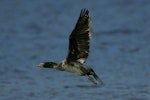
(79, 42)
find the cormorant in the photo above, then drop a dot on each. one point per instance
(79, 41)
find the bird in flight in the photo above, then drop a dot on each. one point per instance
(79, 43)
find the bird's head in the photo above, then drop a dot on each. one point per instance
(47, 65)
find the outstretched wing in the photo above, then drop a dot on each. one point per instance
(79, 39)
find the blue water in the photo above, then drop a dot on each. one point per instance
(33, 31)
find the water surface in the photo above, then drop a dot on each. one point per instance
(35, 31)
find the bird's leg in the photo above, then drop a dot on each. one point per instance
(91, 79)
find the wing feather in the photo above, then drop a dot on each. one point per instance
(79, 39)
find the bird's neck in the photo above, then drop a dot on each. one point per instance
(58, 67)
(55, 66)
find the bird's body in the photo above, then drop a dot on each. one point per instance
(75, 67)
(79, 41)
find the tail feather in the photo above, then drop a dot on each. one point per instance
(97, 78)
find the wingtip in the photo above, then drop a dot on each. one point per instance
(84, 11)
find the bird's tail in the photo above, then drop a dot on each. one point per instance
(96, 77)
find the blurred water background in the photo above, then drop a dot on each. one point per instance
(33, 31)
